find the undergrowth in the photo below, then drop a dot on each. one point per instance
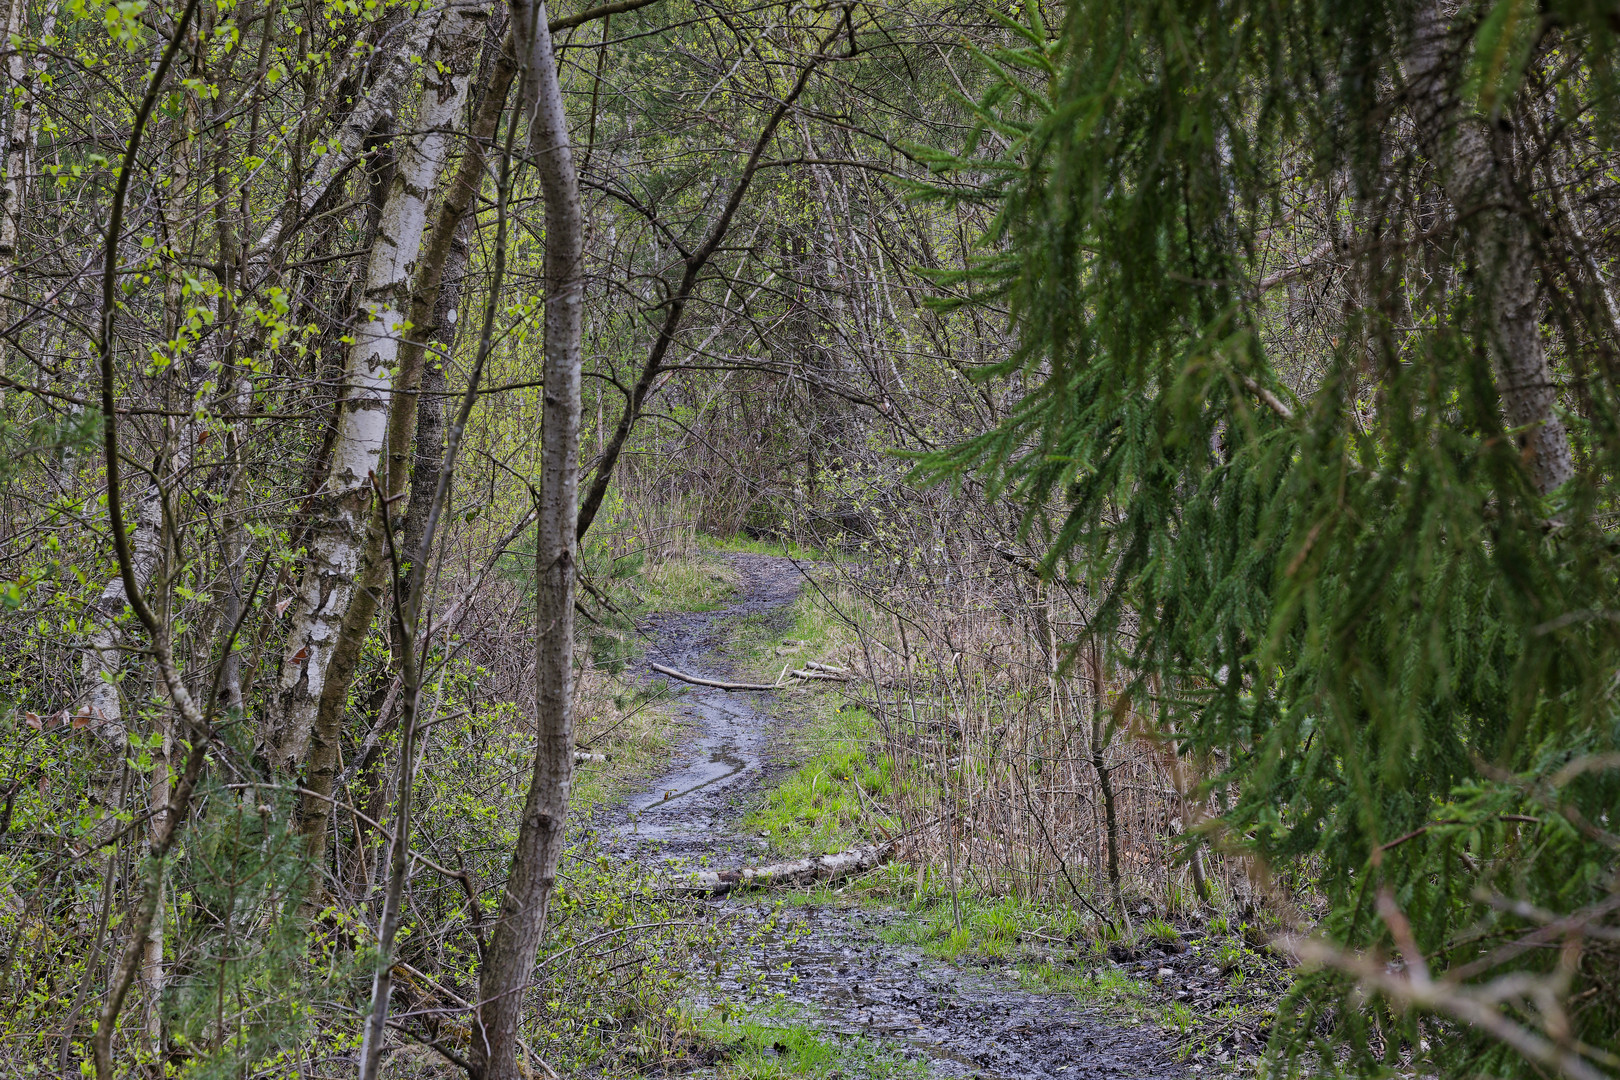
(833, 800)
(778, 1042)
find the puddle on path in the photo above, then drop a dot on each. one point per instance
(830, 961)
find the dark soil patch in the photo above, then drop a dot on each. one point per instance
(961, 1021)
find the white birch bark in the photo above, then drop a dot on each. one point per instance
(101, 705)
(338, 525)
(1476, 171)
(21, 78)
(19, 85)
(102, 660)
(346, 145)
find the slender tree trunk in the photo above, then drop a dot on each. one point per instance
(20, 93)
(102, 660)
(171, 817)
(509, 961)
(428, 446)
(316, 808)
(382, 981)
(347, 144)
(177, 228)
(1105, 780)
(337, 532)
(1475, 166)
(21, 78)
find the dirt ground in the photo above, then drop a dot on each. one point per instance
(960, 1021)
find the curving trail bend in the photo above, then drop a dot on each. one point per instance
(964, 1022)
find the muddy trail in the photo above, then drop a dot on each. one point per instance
(829, 962)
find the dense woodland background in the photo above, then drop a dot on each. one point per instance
(1205, 413)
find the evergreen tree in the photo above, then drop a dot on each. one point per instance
(1357, 539)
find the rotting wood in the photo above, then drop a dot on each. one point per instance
(826, 675)
(714, 683)
(814, 870)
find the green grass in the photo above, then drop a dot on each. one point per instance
(992, 928)
(695, 584)
(760, 1048)
(1102, 986)
(750, 546)
(638, 586)
(832, 802)
(812, 634)
(1047, 948)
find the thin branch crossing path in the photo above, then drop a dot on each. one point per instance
(829, 959)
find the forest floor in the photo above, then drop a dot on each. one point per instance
(835, 981)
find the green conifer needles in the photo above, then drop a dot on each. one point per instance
(1267, 330)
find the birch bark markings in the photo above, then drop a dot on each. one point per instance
(1476, 172)
(337, 529)
(347, 145)
(102, 660)
(316, 807)
(22, 76)
(19, 92)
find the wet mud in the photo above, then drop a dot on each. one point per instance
(830, 962)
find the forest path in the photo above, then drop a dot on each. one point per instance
(829, 961)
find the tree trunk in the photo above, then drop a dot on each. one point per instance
(102, 660)
(347, 144)
(16, 145)
(337, 531)
(102, 663)
(1476, 170)
(316, 808)
(170, 818)
(22, 75)
(1105, 780)
(509, 961)
(428, 446)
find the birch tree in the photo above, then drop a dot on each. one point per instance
(336, 537)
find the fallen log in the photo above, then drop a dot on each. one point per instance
(582, 756)
(817, 868)
(714, 683)
(828, 668)
(801, 674)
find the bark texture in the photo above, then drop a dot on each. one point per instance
(509, 961)
(438, 253)
(809, 871)
(101, 662)
(16, 144)
(1474, 159)
(337, 532)
(102, 703)
(347, 144)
